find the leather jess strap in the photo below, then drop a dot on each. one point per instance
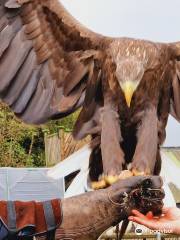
(24, 220)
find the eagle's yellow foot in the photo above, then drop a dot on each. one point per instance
(99, 184)
(125, 174)
(140, 173)
(106, 181)
(110, 179)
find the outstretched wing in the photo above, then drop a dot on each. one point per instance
(47, 59)
(175, 96)
(175, 100)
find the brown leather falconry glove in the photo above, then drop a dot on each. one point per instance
(87, 216)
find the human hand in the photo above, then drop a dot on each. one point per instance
(168, 222)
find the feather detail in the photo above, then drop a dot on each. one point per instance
(21, 79)
(7, 34)
(22, 102)
(15, 56)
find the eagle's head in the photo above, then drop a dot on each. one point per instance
(129, 73)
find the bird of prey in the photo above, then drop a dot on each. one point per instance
(50, 65)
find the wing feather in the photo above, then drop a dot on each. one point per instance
(21, 79)
(175, 98)
(12, 60)
(26, 95)
(47, 60)
(7, 34)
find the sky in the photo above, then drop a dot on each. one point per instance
(156, 20)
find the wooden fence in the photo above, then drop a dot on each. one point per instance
(52, 149)
(69, 145)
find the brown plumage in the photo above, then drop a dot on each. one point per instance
(50, 65)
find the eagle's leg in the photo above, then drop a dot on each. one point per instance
(112, 154)
(144, 159)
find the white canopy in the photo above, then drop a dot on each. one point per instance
(28, 184)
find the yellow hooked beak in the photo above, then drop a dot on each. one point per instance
(128, 88)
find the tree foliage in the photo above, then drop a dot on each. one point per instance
(20, 145)
(23, 145)
(66, 124)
